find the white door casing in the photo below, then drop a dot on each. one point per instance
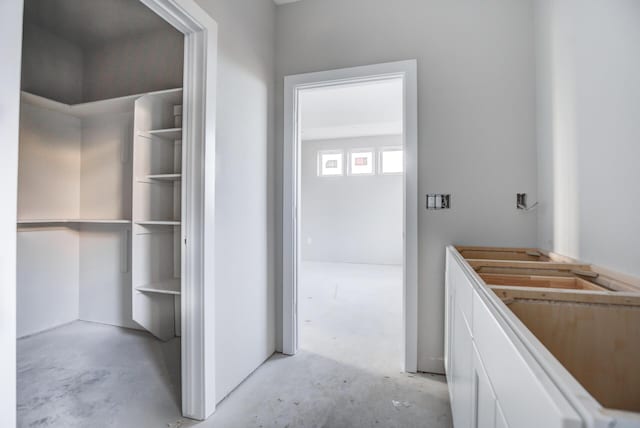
(407, 71)
(199, 126)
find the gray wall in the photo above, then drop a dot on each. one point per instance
(476, 83)
(589, 130)
(350, 219)
(61, 70)
(51, 66)
(146, 63)
(245, 317)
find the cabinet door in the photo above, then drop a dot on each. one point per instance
(484, 398)
(462, 369)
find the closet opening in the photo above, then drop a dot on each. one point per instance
(100, 239)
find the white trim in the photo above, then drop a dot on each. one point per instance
(352, 131)
(291, 194)
(198, 187)
(199, 118)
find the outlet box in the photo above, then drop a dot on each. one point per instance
(521, 201)
(438, 201)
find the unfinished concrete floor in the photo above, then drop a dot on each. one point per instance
(347, 373)
(92, 375)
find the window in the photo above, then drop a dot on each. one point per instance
(361, 162)
(391, 161)
(330, 163)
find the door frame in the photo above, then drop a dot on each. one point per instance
(198, 183)
(407, 71)
(199, 133)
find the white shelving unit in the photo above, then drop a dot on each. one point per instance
(101, 182)
(157, 212)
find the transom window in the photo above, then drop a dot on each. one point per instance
(361, 162)
(330, 163)
(391, 161)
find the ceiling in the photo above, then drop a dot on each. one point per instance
(279, 2)
(92, 22)
(352, 110)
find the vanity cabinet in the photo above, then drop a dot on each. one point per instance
(493, 381)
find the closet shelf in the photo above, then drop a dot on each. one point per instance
(170, 134)
(93, 108)
(158, 222)
(165, 177)
(73, 221)
(168, 286)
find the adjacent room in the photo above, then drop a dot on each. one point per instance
(320, 213)
(351, 252)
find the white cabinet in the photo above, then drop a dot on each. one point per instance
(493, 381)
(484, 399)
(461, 380)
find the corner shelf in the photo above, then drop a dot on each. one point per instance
(72, 221)
(168, 286)
(170, 134)
(165, 177)
(158, 222)
(92, 108)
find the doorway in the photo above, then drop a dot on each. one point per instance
(326, 154)
(78, 212)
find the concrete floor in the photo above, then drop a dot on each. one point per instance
(93, 375)
(347, 373)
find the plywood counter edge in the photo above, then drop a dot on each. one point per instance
(608, 278)
(552, 373)
(522, 264)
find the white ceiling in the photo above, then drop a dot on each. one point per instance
(353, 110)
(91, 22)
(278, 2)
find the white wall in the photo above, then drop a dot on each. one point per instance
(146, 63)
(10, 52)
(589, 130)
(48, 188)
(48, 279)
(49, 172)
(244, 314)
(476, 79)
(106, 164)
(351, 219)
(73, 168)
(51, 66)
